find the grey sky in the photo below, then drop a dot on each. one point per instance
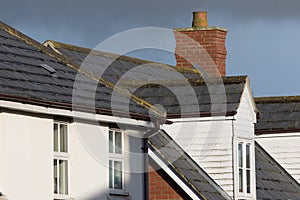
(263, 39)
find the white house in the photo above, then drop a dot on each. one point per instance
(56, 140)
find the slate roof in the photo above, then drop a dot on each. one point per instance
(33, 73)
(278, 114)
(185, 167)
(273, 181)
(182, 94)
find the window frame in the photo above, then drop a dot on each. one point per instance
(61, 156)
(119, 157)
(244, 167)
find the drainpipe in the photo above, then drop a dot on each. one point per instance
(146, 163)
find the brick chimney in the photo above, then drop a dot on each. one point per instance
(210, 55)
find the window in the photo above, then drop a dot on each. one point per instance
(244, 168)
(61, 160)
(116, 160)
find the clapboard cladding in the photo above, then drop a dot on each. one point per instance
(285, 150)
(209, 146)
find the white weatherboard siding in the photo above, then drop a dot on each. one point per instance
(26, 157)
(210, 145)
(285, 149)
(243, 128)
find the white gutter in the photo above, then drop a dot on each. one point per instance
(73, 114)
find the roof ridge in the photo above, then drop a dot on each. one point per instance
(50, 52)
(277, 99)
(71, 47)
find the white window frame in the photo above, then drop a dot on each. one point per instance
(116, 157)
(244, 194)
(61, 156)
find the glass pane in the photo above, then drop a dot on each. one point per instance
(248, 182)
(111, 142)
(241, 180)
(55, 177)
(110, 174)
(248, 156)
(55, 138)
(118, 175)
(118, 140)
(63, 177)
(240, 154)
(63, 138)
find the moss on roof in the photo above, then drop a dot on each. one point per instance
(279, 99)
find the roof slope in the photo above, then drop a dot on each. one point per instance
(218, 97)
(182, 94)
(272, 181)
(33, 73)
(278, 114)
(185, 167)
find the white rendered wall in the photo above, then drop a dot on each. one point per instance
(26, 157)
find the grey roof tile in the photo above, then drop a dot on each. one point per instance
(278, 114)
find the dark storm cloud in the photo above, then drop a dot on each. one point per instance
(90, 21)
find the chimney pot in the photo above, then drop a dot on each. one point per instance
(199, 19)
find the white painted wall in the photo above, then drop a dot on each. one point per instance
(26, 157)
(285, 149)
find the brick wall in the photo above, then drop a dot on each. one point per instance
(159, 188)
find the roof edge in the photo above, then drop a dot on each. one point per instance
(277, 99)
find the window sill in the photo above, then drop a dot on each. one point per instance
(118, 193)
(61, 197)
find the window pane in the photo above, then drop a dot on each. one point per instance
(110, 174)
(55, 138)
(248, 182)
(248, 156)
(118, 175)
(111, 142)
(55, 177)
(63, 177)
(241, 180)
(63, 138)
(240, 154)
(118, 140)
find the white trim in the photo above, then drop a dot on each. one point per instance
(244, 194)
(67, 113)
(197, 119)
(277, 135)
(180, 183)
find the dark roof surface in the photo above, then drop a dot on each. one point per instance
(185, 168)
(278, 114)
(33, 73)
(182, 94)
(272, 181)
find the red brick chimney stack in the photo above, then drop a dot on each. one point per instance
(211, 57)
